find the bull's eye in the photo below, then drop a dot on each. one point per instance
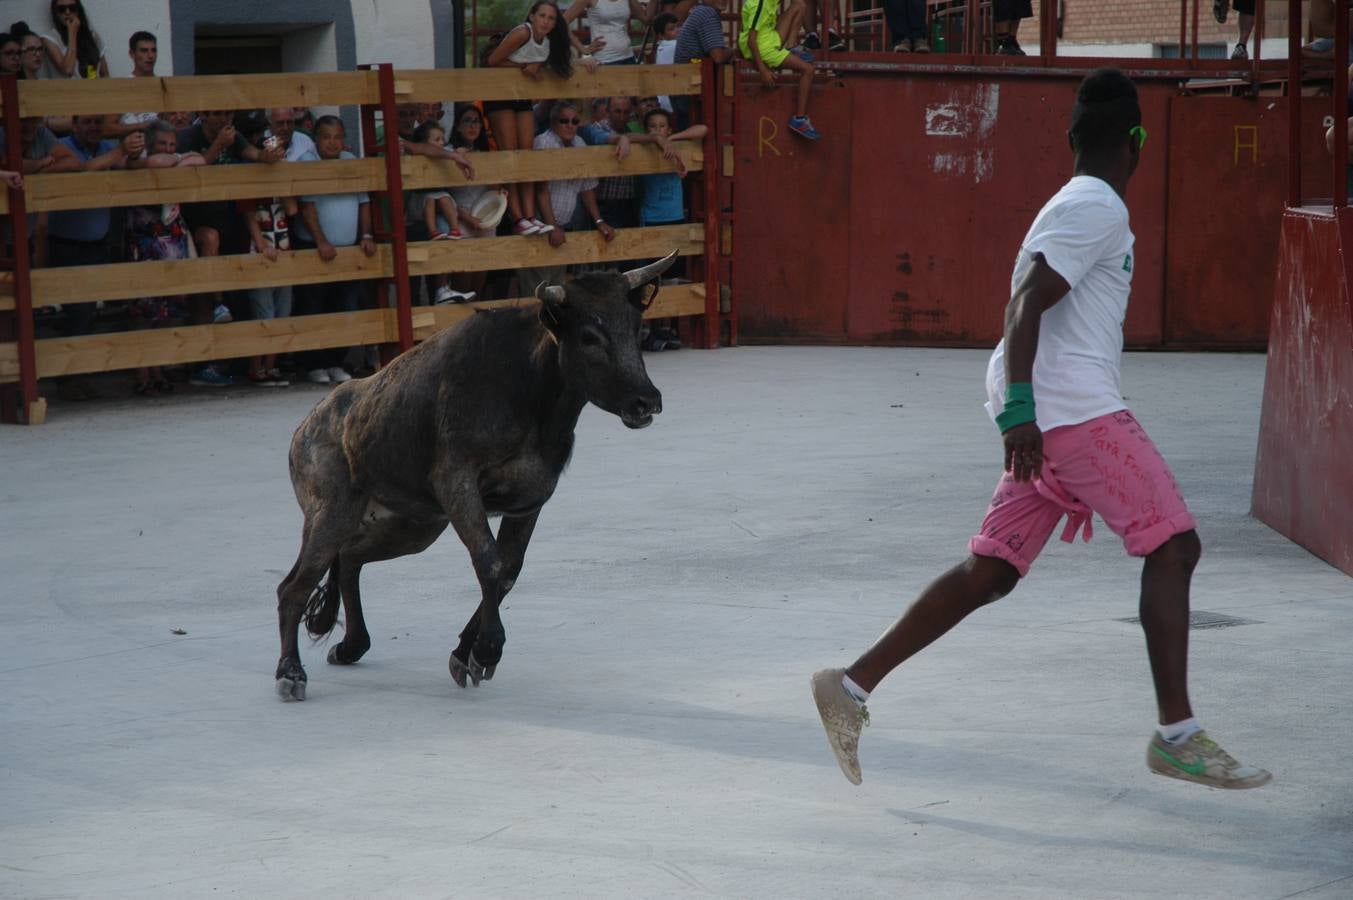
(590, 339)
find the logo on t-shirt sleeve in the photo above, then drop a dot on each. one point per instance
(1127, 263)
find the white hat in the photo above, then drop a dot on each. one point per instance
(489, 208)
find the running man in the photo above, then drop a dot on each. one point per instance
(1083, 453)
(764, 38)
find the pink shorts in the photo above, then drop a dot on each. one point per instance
(1106, 465)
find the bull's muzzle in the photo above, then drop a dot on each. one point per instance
(639, 412)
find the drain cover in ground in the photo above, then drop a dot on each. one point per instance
(1201, 618)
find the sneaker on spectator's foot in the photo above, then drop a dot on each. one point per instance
(835, 42)
(1200, 760)
(447, 295)
(1241, 52)
(902, 46)
(338, 375)
(920, 45)
(440, 236)
(319, 376)
(221, 315)
(802, 53)
(1219, 10)
(207, 376)
(653, 343)
(801, 126)
(525, 227)
(443, 295)
(1006, 45)
(1320, 48)
(811, 41)
(842, 718)
(454, 234)
(541, 227)
(276, 375)
(670, 337)
(264, 379)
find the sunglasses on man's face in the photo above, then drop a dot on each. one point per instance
(568, 121)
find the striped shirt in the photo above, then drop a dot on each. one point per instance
(702, 32)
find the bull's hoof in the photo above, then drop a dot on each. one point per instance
(343, 654)
(290, 679)
(488, 646)
(471, 671)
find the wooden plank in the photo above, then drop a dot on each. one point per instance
(9, 363)
(119, 95)
(126, 281)
(427, 85)
(672, 300)
(173, 346)
(189, 185)
(480, 255)
(506, 166)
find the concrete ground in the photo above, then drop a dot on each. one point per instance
(650, 732)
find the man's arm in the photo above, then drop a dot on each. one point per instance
(1329, 136)
(364, 235)
(589, 202)
(310, 215)
(1038, 291)
(130, 146)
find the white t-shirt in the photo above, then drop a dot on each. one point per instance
(610, 19)
(665, 55)
(49, 69)
(1083, 235)
(302, 148)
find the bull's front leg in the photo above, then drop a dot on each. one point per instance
(461, 501)
(514, 533)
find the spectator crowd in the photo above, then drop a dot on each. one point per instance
(335, 224)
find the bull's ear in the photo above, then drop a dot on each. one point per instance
(644, 295)
(552, 299)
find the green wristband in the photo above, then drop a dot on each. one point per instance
(1019, 406)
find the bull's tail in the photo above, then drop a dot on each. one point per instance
(321, 610)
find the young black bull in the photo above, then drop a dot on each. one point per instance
(477, 421)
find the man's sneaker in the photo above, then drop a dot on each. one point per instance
(843, 719)
(541, 227)
(319, 376)
(902, 46)
(1199, 759)
(207, 376)
(811, 41)
(920, 45)
(803, 128)
(1219, 9)
(1008, 46)
(835, 42)
(338, 375)
(525, 227)
(221, 315)
(1241, 52)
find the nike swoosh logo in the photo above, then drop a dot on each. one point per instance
(1192, 769)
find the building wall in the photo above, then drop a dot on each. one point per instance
(1151, 22)
(114, 21)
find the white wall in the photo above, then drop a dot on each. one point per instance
(397, 32)
(114, 20)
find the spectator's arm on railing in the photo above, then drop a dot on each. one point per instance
(588, 198)
(365, 237)
(1329, 135)
(261, 244)
(436, 151)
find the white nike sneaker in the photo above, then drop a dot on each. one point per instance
(843, 719)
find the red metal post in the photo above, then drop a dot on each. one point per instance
(1183, 27)
(709, 76)
(23, 286)
(1294, 103)
(1340, 106)
(1193, 59)
(974, 29)
(394, 185)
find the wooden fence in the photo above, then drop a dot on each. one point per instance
(382, 173)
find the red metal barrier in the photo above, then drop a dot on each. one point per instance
(28, 408)
(1303, 485)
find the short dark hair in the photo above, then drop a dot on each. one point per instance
(139, 36)
(661, 22)
(420, 134)
(333, 121)
(1106, 110)
(658, 112)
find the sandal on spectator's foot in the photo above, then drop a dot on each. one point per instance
(525, 227)
(801, 126)
(1219, 10)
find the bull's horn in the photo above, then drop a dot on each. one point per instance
(551, 293)
(644, 274)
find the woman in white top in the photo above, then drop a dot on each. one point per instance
(609, 23)
(540, 43)
(74, 48)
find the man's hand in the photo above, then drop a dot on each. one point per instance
(369, 246)
(327, 251)
(14, 179)
(622, 147)
(272, 155)
(470, 221)
(606, 231)
(463, 163)
(556, 237)
(673, 155)
(590, 64)
(1024, 451)
(767, 76)
(134, 144)
(270, 251)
